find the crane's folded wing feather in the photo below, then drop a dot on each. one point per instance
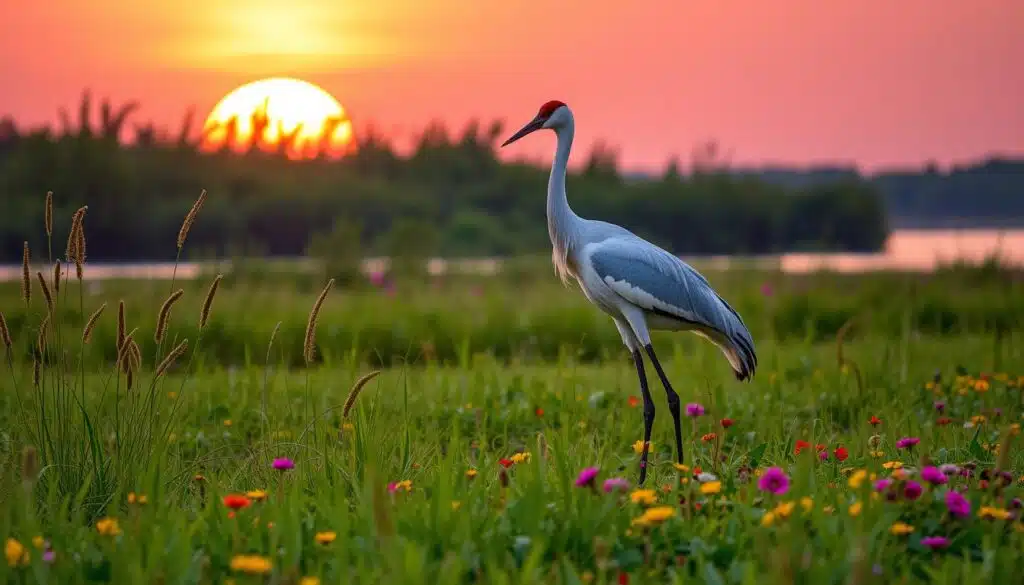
(656, 281)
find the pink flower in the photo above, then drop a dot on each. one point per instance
(823, 454)
(907, 442)
(694, 410)
(935, 542)
(912, 490)
(882, 484)
(774, 480)
(766, 289)
(958, 506)
(940, 406)
(587, 476)
(933, 475)
(613, 484)
(283, 464)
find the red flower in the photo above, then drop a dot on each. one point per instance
(841, 453)
(726, 423)
(539, 412)
(875, 421)
(236, 501)
(707, 438)
(697, 470)
(623, 578)
(819, 447)
(800, 446)
(506, 463)
(633, 401)
(943, 421)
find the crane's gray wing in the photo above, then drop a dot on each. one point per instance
(659, 282)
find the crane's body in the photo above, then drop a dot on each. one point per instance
(640, 285)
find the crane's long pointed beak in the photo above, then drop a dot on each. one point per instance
(534, 125)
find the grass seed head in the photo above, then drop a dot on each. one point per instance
(56, 277)
(171, 357)
(164, 315)
(41, 339)
(310, 340)
(204, 316)
(120, 325)
(90, 324)
(354, 392)
(5, 333)
(46, 291)
(26, 279)
(48, 217)
(190, 218)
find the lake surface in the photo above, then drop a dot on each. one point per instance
(905, 250)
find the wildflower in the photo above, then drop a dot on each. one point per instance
(108, 526)
(638, 447)
(875, 421)
(992, 513)
(768, 519)
(256, 495)
(40, 542)
(49, 556)
(506, 463)
(877, 454)
(841, 453)
(309, 581)
(471, 473)
(325, 538)
(939, 406)
(981, 386)
(774, 480)
(694, 410)
(521, 457)
(614, 484)
(633, 401)
(978, 419)
(935, 542)
(655, 516)
(901, 529)
(800, 446)
(705, 477)
(227, 422)
(857, 479)
(949, 469)
(912, 490)
(708, 437)
(943, 421)
(405, 484)
(893, 465)
(958, 506)
(15, 553)
(348, 426)
(933, 476)
(883, 484)
(134, 498)
(283, 464)
(236, 501)
(586, 477)
(907, 442)
(681, 467)
(726, 423)
(539, 412)
(711, 487)
(251, 564)
(807, 504)
(855, 509)
(645, 497)
(456, 504)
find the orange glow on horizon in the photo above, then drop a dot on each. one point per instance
(279, 114)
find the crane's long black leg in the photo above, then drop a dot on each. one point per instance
(673, 401)
(648, 411)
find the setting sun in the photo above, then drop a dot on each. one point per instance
(284, 115)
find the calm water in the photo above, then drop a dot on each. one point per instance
(906, 250)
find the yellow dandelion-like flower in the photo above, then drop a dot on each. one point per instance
(309, 581)
(15, 553)
(654, 516)
(456, 505)
(768, 519)
(877, 454)
(978, 419)
(326, 538)
(348, 426)
(857, 479)
(711, 487)
(256, 495)
(680, 467)
(638, 447)
(227, 422)
(981, 386)
(684, 480)
(901, 529)
(855, 509)
(471, 473)
(38, 541)
(108, 526)
(644, 497)
(893, 465)
(992, 513)
(139, 499)
(807, 504)
(785, 509)
(520, 457)
(930, 385)
(251, 564)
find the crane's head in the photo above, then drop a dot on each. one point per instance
(552, 115)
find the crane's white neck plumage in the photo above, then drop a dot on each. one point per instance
(563, 223)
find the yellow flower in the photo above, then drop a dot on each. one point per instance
(711, 487)
(991, 513)
(981, 386)
(877, 454)
(172, 394)
(900, 474)
(784, 509)
(227, 422)
(930, 385)
(978, 419)
(456, 505)
(1015, 429)
(252, 564)
(857, 479)
(654, 516)
(108, 526)
(134, 498)
(587, 577)
(645, 497)
(638, 447)
(520, 457)
(38, 541)
(348, 426)
(15, 553)
(684, 480)
(309, 581)
(828, 509)
(325, 538)
(471, 473)
(681, 467)
(807, 504)
(256, 495)
(901, 529)
(768, 519)
(893, 465)
(855, 509)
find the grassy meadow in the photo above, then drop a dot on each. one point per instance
(230, 442)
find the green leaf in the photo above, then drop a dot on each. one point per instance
(756, 454)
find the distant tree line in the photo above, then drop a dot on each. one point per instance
(450, 196)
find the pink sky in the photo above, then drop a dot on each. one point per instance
(876, 82)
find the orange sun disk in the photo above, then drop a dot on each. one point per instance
(290, 116)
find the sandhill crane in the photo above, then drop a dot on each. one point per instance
(641, 286)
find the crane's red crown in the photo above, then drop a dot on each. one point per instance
(549, 108)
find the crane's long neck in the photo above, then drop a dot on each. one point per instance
(562, 221)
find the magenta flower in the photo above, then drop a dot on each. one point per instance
(882, 484)
(767, 290)
(933, 475)
(949, 469)
(586, 477)
(958, 506)
(774, 480)
(694, 410)
(940, 405)
(49, 556)
(912, 490)
(935, 542)
(907, 442)
(823, 454)
(614, 484)
(283, 464)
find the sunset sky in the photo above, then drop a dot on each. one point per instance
(875, 82)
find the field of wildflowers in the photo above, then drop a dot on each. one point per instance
(873, 458)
